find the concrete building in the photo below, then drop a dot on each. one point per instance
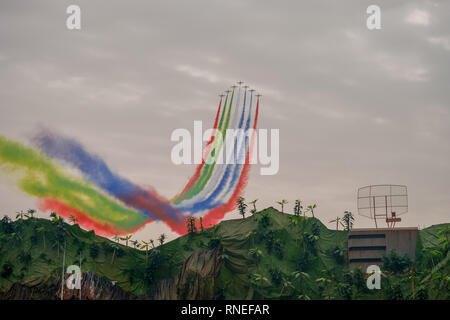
(367, 246)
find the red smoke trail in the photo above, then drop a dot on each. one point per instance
(215, 215)
(143, 202)
(102, 229)
(207, 149)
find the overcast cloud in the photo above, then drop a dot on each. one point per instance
(354, 107)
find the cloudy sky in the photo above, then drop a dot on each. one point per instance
(354, 107)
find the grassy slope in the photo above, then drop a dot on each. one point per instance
(233, 278)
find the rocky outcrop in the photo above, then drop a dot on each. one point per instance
(93, 288)
(196, 279)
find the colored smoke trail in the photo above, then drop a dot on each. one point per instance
(215, 215)
(39, 177)
(196, 175)
(207, 170)
(102, 229)
(206, 199)
(96, 171)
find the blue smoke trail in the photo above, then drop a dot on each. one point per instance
(95, 170)
(211, 201)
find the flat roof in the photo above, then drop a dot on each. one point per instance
(385, 229)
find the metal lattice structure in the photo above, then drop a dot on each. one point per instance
(383, 202)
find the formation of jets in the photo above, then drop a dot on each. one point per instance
(235, 86)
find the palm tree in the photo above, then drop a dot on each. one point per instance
(298, 208)
(115, 247)
(323, 284)
(31, 212)
(126, 239)
(152, 242)
(251, 236)
(256, 254)
(311, 209)
(282, 203)
(258, 280)
(286, 285)
(145, 245)
(348, 220)
(242, 206)
(54, 216)
(412, 275)
(42, 230)
(20, 215)
(253, 203)
(201, 224)
(338, 221)
(135, 244)
(161, 239)
(73, 219)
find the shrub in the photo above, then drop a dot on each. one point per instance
(7, 270)
(279, 249)
(94, 250)
(338, 254)
(276, 276)
(395, 263)
(214, 243)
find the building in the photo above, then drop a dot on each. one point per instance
(367, 246)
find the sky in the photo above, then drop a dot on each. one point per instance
(354, 107)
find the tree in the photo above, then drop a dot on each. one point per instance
(200, 220)
(257, 281)
(20, 215)
(287, 284)
(190, 224)
(42, 230)
(242, 206)
(115, 247)
(444, 234)
(126, 239)
(348, 220)
(311, 209)
(30, 213)
(253, 211)
(53, 216)
(161, 239)
(282, 203)
(145, 245)
(338, 221)
(94, 251)
(395, 263)
(116, 238)
(73, 219)
(412, 275)
(298, 208)
(152, 242)
(256, 254)
(7, 225)
(135, 244)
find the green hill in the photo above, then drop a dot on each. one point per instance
(269, 255)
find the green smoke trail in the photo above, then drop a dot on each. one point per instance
(40, 177)
(208, 168)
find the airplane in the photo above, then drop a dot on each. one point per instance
(240, 82)
(227, 91)
(258, 95)
(221, 95)
(245, 87)
(252, 90)
(233, 87)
